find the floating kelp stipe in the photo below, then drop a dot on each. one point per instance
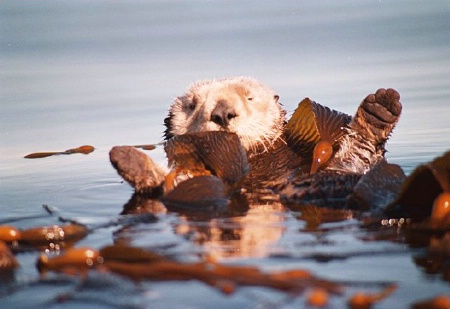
(85, 149)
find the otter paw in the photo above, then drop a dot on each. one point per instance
(378, 114)
(138, 170)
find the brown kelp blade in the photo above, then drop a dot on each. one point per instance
(198, 193)
(141, 264)
(378, 187)
(127, 254)
(311, 123)
(205, 153)
(330, 123)
(71, 261)
(54, 234)
(38, 155)
(224, 277)
(301, 129)
(85, 149)
(421, 188)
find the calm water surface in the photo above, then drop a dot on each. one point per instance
(104, 73)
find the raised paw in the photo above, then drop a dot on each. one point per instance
(377, 115)
(138, 170)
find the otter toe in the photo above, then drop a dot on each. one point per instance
(382, 108)
(390, 99)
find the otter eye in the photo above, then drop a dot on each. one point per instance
(250, 98)
(192, 105)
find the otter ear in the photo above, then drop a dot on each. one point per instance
(276, 98)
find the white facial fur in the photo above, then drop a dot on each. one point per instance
(257, 117)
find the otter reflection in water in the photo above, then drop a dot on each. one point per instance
(234, 230)
(230, 136)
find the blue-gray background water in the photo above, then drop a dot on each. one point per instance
(104, 73)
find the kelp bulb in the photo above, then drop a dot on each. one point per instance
(73, 259)
(9, 233)
(321, 154)
(441, 207)
(318, 297)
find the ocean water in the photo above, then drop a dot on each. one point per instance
(104, 73)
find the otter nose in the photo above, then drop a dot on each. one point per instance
(223, 113)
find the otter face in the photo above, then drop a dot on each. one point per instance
(238, 104)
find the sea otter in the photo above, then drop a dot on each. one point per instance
(316, 147)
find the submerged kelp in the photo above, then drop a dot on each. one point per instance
(139, 264)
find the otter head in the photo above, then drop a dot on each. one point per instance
(237, 104)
